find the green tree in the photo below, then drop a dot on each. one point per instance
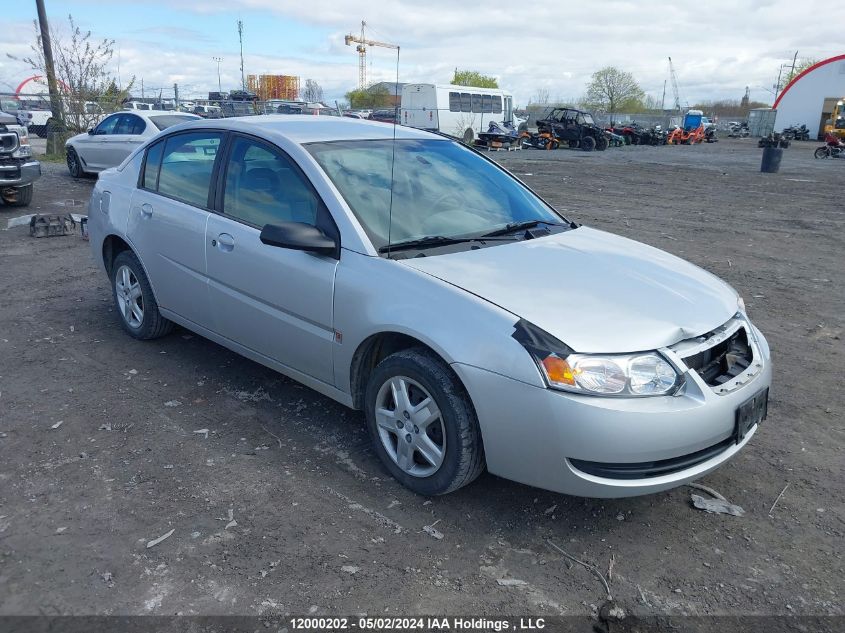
(473, 78)
(369, 99)
(614, 90)
(800, 66)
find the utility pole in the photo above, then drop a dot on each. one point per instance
(663, 98)
(241, 37)
(142, 88)
(219, 85)
(52, 86)
(792, 72)
(176, 96)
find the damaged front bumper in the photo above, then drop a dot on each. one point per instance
(615, 447)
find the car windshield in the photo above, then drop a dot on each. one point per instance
(163, 121)
(439, 189)
(588, 118)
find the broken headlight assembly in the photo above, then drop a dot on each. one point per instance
(622, 375)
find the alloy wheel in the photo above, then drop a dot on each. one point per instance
(130, 298)
(410, 426)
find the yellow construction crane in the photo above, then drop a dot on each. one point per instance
(363, 43)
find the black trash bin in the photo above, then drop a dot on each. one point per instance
(771, 160)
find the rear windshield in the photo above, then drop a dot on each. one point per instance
(163, 121)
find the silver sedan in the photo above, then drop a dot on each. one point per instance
(115, 137)
(404, 274)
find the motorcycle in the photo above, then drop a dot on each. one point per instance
(796, 133)
(834, 147)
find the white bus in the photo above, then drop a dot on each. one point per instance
(459, 111)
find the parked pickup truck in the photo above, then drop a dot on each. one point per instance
(18, 169)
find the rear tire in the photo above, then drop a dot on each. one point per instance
(588, 143)
(17, 196)
(469, 136)
(433, 448)
(821, 152)
(134, 300)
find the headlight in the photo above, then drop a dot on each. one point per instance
(740, 304)
(625, 375)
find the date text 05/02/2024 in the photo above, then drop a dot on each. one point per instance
(416, 623)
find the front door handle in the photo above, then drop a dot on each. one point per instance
(146, 210)
(224, 242)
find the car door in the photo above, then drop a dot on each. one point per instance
(167, 220)
(272, 300)
(125, 139)
(92, 148)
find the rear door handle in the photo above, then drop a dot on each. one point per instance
(146, 210)
(224, 242)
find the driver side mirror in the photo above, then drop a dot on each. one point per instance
(91, 131)
(300, 237)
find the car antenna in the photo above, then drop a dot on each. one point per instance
(392, 157)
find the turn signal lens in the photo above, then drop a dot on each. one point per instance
(558, 370)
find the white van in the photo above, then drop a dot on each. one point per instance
(459, 111)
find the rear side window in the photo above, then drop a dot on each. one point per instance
(152, 165)
(130, 124)
(186, 166)
(466, 102)
(486, 103)
(454, 102)
(476, 103)
(497, 104)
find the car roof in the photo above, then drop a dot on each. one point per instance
(311, 129)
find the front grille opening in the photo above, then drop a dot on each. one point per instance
(724, 361)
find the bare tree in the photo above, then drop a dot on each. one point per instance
(313, 92)
(611, 89)
(541, 97)
(88, 87)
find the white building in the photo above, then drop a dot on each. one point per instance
(810, 97)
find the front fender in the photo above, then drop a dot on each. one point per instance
(375, 295)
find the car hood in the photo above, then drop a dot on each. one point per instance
(595, 291)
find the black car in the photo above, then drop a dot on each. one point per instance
(385, 116)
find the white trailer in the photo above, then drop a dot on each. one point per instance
(459, 111)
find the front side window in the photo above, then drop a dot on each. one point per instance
(264, 187)
(438, 188)
(187, 165)
(108, 125)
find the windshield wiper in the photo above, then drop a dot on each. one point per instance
(513, 227)
(431, 241)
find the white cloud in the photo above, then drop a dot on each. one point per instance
(718, 47)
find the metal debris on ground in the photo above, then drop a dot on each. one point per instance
(716, 506)
(429, 529)
(52, 225)
(350, 569)
(549, 510)
(511, 582)
(158, 540)
(203, 432)
(772, 509)
(591, 568)
(57, 424)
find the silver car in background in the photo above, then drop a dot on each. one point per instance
(401, 273)
(115, 137)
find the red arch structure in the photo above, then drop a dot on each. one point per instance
(797, 77)
(36, 78)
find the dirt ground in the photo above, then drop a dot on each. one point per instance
(283, 508)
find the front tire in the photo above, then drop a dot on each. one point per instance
(134, 300)
(17, 196)
(602, 143)
(588, 143)
(74, 166)
(821, 152)
(422, 423)
(469, 136)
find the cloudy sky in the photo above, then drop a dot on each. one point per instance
(718, 47)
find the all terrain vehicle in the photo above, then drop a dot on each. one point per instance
(575, 128)
(18, 169)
